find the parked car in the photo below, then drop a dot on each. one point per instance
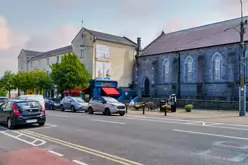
(39, 98)
(106, 105)
(3, 100)
(74, 104)
(52, 103)
(22, 112)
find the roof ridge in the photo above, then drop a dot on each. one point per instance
(56, 49)
(206, 25)
(31, 50)
(105, 33)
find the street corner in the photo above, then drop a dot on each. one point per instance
(35, 156)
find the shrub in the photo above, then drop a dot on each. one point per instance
(188, 107)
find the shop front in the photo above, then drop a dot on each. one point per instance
(104, 88)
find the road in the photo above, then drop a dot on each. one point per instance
(134, 140)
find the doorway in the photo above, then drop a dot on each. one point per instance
(146, 86)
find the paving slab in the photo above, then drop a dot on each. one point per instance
(228, 117)
(35, 156)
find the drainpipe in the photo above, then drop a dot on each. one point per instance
(138, 49)
(179, 76)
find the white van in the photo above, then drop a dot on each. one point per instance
(39, 98)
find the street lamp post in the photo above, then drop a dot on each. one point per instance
(242, 88)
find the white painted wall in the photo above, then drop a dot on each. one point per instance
(22, 62)
(42, 63)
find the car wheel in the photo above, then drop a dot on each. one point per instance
(62, 108)
(107, 112)
(90, 110)
(73, 109)
(10, 124)
(41, 124)
(121, 113)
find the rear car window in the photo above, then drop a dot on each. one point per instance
(28, 104)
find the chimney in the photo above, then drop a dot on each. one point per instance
(138, 46)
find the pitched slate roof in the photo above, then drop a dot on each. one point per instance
(66, 49)
(111, 38)
(199, 37)
(31, 53)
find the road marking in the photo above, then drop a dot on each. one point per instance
(55, 153)
(80, 163)
(33, 143)
(194, 123)
(209, 134)
(105, 121)
(57, 115)
(103, 155)
(51, 125)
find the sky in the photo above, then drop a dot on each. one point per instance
(44, 25)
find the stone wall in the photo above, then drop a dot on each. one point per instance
(203, 85)
(200, 104)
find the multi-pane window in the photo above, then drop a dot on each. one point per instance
(47, 61)
(217, 67)
(189, 69)
(82, 53)
(39, 62)
(166, 70)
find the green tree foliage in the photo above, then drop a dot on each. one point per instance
(7, 81)
(41, 79)
(35, 79)
(3, 92)
(70, 73)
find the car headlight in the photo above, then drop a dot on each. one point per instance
(113, 106)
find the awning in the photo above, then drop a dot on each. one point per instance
(111, 92)
(76, 90)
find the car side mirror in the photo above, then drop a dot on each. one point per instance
(104, 102)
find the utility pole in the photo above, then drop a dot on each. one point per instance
(242, 88)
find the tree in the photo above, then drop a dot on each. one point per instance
(70, 73)
(38, 79)
(7, 81)
(3, 92)
(41, 79)
(23, 81)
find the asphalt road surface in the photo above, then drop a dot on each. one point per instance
(132, 140)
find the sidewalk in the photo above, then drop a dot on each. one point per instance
(231, 117)
(32, 156)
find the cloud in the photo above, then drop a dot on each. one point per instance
(4, 33)
(177, 24)
(138, 9)
(11, 42)
(63, 3)
(232, 8)
(58, 38)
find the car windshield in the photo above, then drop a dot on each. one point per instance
(54, 100)
(28, 104)
(2, 99)
(111, 100)
(78, 99)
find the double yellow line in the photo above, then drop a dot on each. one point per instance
(103, 155)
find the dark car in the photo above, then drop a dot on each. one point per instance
(3, 100)
(52, 103)
(22, 112)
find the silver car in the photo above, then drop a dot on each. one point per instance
(74, 104)
(106, 105)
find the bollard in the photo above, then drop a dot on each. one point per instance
(143, 108)
(126, 107)
(165, 112)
